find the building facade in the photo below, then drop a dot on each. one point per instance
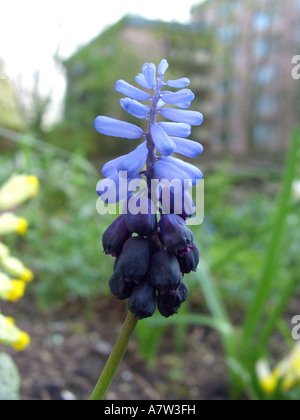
(256, 101)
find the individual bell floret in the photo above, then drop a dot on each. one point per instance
(189, 262)
(142, 302)
(175, 234)
(115, 236)
(165, 274)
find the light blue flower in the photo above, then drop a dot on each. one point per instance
(131, 91)
(140, 79)
(182, 116)
(175, 98)
(164, 144)
(112, 127)
(134, 161)
(114, 188)
(166, 170)
(165, 137)
(192, 171)
(163, 67)
(179, 83)
(149, 72)
(175, 129)
(187, 148)
(135, 108)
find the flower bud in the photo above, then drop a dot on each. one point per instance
(169, 303)
(165, 274)
(189, 262)
(115, 236)
(142, 302)
(175, 297)
(134, 260)
(120, 287)
(18, 189)
(11, 223)
(176, 236)
(12, 335)
(166, 309)
(11, 290)
(144, 221)
(16, 268)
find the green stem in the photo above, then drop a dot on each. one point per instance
(115, 358)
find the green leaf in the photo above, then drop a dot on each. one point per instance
(257, 307)
(9, 379)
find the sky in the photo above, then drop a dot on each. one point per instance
(32, 31)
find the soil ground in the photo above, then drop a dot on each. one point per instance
(71, 344)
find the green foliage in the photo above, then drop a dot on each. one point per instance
(242, 258)
(64, 245)
(264, 277)
(9, 379)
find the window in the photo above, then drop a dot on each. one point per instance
(262, 21)
(266, 105)
(265, 134)
(265, 74)
(262, 47)
(227, 85)
(227, 9)
(228, 33)
(298, 34)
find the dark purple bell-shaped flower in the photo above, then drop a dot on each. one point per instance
(165, 274)
(142, 302)
(115, 236)
(134, 260)
(169, 303)
(144, 221)
(175, 234)
(165, 308)
(189, 262)
(120, 287)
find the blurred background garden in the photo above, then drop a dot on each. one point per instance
(233, 338)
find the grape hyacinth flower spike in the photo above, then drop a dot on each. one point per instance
(151, 264)
(151, 242)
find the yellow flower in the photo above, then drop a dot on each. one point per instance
(268, 381)
(23, 342)
(11, 290)
(22, 226)
(18, 290)
(12, 335)
(18, 189)
(33, 182)
(9, 222)
(16, 268)
(287, 372)
(10, 321)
